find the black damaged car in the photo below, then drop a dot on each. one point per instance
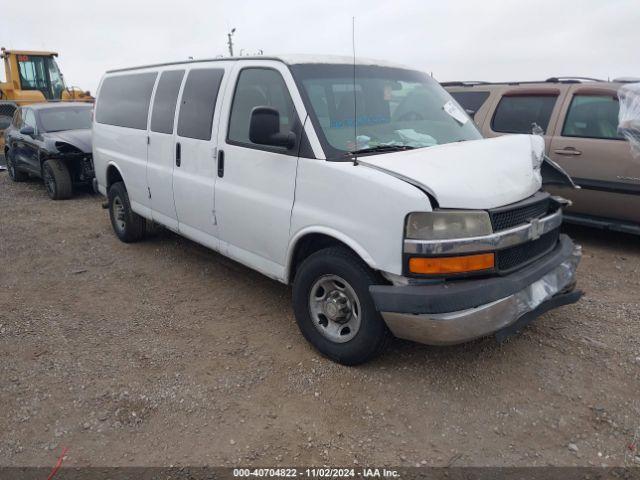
(51, 141)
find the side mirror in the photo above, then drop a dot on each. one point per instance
(264, 128)
(28, 130)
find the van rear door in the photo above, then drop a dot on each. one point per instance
(194, 172)
(161, 150)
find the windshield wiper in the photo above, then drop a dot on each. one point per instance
(381, 148)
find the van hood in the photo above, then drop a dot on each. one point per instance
(476, 174)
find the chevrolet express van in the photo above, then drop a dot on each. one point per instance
(364, 186)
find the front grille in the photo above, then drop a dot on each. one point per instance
(520, 213)
(516, 257)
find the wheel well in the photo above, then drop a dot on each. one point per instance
(310, 244)
(113, 176)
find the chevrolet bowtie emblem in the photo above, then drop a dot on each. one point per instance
(536, 229)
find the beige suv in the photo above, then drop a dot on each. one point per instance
(579, 118)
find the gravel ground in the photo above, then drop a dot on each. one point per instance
(164, 352)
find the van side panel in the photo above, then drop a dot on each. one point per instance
(127, 149)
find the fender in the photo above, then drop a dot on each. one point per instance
(420, 186)
(330, 232)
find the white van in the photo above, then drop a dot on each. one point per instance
(364, 186)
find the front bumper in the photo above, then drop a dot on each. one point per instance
(455, 312)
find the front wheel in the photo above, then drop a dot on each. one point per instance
(128, 225)
(334, 309)
(57, 179)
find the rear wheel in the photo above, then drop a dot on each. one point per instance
(128, 225)
(15, 174)
(57, 179)
(334, 309)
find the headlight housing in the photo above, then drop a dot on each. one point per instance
(443, 225)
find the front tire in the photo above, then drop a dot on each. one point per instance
(334, 309)
(15, 174)
(57, 179)
(128, 225)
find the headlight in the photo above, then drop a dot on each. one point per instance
(444, 225)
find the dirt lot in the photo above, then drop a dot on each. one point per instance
(164, 352)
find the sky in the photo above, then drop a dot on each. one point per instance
(487, 40)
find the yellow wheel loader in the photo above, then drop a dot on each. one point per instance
(32, 77)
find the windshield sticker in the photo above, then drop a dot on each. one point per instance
(458, 115)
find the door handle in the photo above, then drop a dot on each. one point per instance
(220, 163)
(568, 151)
(178, 154)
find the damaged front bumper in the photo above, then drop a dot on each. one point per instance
(455, 312)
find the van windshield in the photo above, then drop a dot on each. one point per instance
(383, 110)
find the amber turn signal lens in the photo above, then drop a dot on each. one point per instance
(442, 265)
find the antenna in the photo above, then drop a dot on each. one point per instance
(230, 42)
(355, 106)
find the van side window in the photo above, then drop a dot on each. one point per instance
(124, 100)
(593, 116)
(518, 113)
(470, 101)
(258, 87)
(164, 102)
(199, 103)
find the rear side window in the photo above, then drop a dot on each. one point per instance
(470, 101)
(258, 87)
(164, 102)
(124, 100)
(199, 103)
(519, 113)
(593, 116)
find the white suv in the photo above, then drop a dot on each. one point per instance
(365, 186)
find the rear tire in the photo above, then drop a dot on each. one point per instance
(15, 174)
(128, 225)
(57, 179)
(334, 309)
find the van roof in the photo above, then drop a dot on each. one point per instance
(294, 59)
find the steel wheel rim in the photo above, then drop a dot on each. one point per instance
(335, 308)
(118, 214)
